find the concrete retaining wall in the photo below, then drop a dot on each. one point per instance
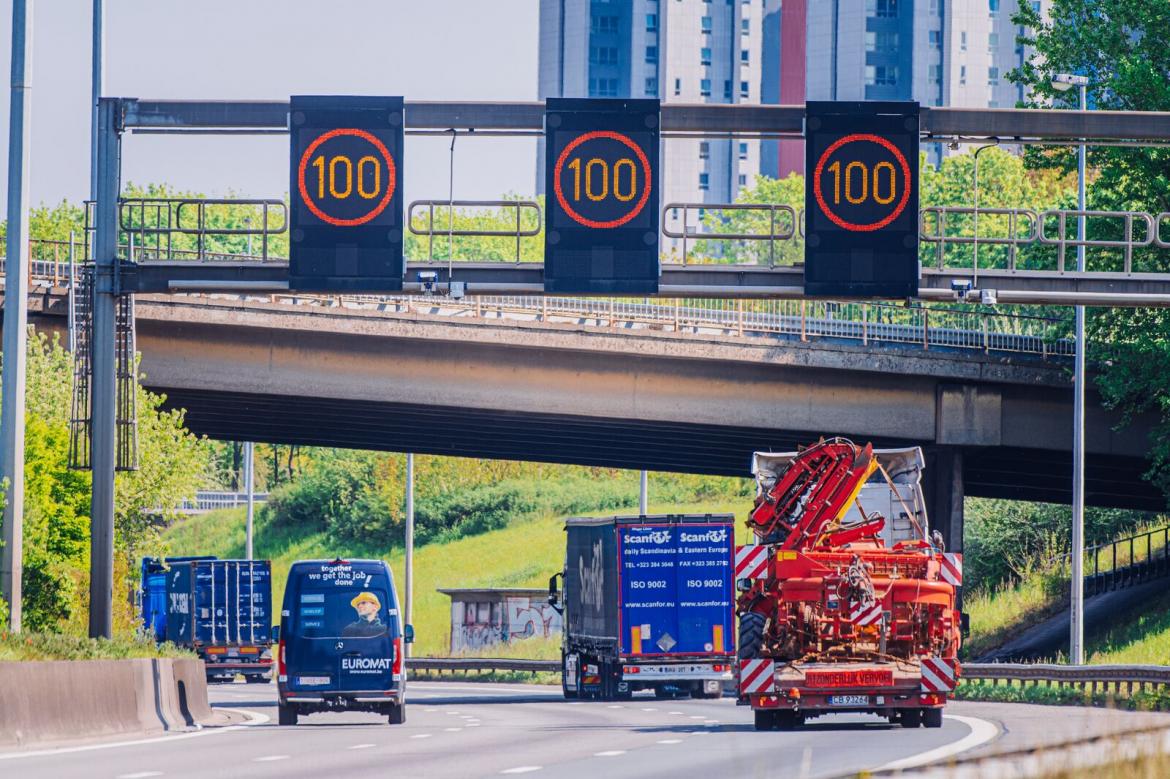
(54, 701)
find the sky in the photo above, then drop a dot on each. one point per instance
(269, 50)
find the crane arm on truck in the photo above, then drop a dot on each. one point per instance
(812, 494)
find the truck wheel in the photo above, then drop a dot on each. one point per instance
(765, 719)
(911, 718)
(787, 720)
(397, 715)
(751, 634)
(286, 715)
(932, 718)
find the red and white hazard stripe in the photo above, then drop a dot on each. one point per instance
(939, 674)
(756, 676)
(861, 614)
(751, 562)
(952, 568)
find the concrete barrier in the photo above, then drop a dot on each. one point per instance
(56, 701)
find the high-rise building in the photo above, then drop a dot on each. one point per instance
(680, 51)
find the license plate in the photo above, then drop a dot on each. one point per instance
(848, 700)
(312, 680)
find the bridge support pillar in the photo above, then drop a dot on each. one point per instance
(943, 489)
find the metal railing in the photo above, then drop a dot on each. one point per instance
(213, 500)
(1140, 560)
(788, 224)
(430, 230)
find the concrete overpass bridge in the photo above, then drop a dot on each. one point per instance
(630, 385)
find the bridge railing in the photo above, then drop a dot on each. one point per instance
(213, 500)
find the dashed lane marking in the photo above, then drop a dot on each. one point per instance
(610, 753)
(452, 730)
(522, 769)
(140, 775)
(421, 735)
(670, 741)
(649, 709)
(361, 746)
(269, 758)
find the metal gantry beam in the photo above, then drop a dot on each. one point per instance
(939, 124)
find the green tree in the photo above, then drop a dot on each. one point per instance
(787, 191)
(1120, 45)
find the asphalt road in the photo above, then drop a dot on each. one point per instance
(468, 729)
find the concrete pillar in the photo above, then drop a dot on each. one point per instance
(943, 489)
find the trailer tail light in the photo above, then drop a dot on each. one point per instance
(932, 699)
(216, 650)
(249, 650)
(281, 670)
(630, 669)
(794, 693)
(720, 668)
(397, 668)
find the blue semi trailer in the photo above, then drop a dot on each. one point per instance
(648, 604)
(220, 609)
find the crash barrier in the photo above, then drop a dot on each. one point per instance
(59, 700)
(1090, 678)
(464, 664)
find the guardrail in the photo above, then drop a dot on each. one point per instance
(1078, 676)
(463, 664)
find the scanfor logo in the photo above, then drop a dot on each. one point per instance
(651, 537)
(592, 579)
(713, 536)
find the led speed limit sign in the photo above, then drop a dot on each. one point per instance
(345, 187)
(861, 199)
(601, 169)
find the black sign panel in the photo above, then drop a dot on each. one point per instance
(601, 163)
(345, 225)
(861, 199)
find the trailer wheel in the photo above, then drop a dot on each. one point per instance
(787, 720)
(765, 719)
(932, 718)
(397, 714)
(910, 718)
(751, 634)
(286, 715)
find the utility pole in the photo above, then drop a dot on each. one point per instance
(249, 487)
(408, 574)
(95, 94)
(104, 410)
(15, 316)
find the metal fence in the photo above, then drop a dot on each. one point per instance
(212, 500)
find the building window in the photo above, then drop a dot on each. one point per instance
(993, 76)
(934, 6)
(705, 87)
(881, 41)
(884, 8)
(704, 181)
(935, 72)
(992, 41)
(745, 89)
(651, 86)
(743, 151)
(993, 8)
(704, 150)
(745, 57)
(936, 39)
(603, 55)
(652, 54)
(678, 86)
(727, 89)
(963, 41)
(603, 87)
(881, 75)
(605, 24)
(963, 75)
(705, 24)
(704, 56)
(745, 26)
(743, 179)
(651, 22)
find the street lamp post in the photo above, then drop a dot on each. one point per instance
(1064, 82)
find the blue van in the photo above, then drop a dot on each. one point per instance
(342, 642)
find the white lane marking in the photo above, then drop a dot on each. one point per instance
(473, 724)
(697, 716)
(670, 741)
(140, 775)
(421, 735)
(615, 706)
(649, 709)
(674, 712)
(452, 730)
(252, 719)
(361, 746)
(269, 758)
(982, 731)
(610, 753)
(521, 769)
(576, 703)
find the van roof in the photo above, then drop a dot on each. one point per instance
(341, 561)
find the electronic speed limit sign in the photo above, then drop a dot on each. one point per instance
(861, 199)
(601, 168)
(345, 221)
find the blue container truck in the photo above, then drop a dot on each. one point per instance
(648, 604)
(220, 609)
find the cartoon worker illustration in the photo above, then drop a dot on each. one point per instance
(367, 623)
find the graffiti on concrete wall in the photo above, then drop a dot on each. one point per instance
(482, 623)
(528, 617)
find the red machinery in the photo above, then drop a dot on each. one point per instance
(831, 618)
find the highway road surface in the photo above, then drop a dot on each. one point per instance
(460, 729)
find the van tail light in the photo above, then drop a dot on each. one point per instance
(280, 666)
(398, 653)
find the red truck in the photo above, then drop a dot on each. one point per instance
(843, 609)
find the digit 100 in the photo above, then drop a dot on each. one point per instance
(869, 182)
(341, 174)
(598, 168)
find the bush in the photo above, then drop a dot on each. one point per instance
(57, 646)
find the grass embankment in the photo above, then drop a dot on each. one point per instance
(999, 615)
(524, 554)
(57, 646)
